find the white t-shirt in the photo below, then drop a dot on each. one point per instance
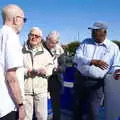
(10, 57)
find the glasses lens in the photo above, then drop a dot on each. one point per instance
(24, 19)
(34, 35)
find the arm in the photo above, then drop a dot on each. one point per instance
(14, 85)
(81, 59)
(99, 63)
(13, 60)
(79, 56)
(15, 91)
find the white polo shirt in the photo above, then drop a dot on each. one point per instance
(10, 57)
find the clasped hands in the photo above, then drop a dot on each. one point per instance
(99, 63)
(36, 72)
(103, 65)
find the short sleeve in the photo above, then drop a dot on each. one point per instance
(13, 52)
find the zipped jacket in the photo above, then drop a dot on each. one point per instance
(36, 58)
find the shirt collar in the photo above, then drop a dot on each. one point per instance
(36, 49)
(105, 43)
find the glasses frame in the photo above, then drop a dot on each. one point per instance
(24, 19)
(34, 35)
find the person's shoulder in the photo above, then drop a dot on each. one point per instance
(87, 41)
(58, 46)
(113, 45)
(3, 30)
(7, 29)
(9, 33)
(59, 49)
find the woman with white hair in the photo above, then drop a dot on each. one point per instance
(39, 65)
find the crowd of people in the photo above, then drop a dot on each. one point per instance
(43, 62)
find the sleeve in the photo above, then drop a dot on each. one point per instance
(13, 52)
(49, 69)
(79, 56)
(49, 64)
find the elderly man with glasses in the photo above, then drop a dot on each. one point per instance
(10, 60)
(38, 66)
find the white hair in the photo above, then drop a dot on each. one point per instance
(53, 35)
(38, 29)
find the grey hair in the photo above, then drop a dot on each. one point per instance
(53, 35)
(38, 29)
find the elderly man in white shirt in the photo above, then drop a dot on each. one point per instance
(95, 58)
(10, 60)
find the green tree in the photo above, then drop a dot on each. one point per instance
(117, 42)
(71, 47)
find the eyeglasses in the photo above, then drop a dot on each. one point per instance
(24, 19)
(34, 35)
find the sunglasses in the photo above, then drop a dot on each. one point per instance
(24, 19)
(34, 35)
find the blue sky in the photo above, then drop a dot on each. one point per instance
(69, 17)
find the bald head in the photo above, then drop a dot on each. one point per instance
(13, 16)
(10, 11)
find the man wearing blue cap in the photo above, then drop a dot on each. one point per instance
(95, 58)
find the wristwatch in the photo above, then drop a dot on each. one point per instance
(20, 104)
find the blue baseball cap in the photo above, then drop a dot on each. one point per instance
(98, 25)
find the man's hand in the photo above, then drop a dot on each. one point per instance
(117, 74)
(99, 63)
(22, 113)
